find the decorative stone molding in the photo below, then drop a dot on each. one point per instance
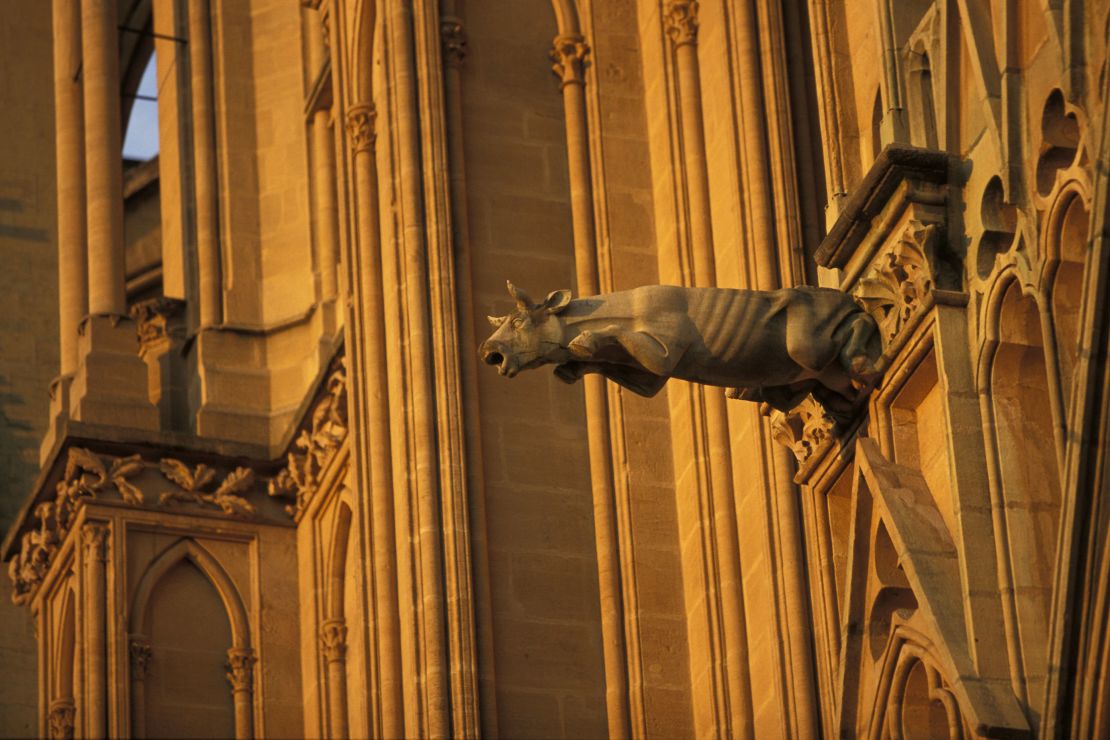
(194, 482)
(568, 53)
(680, 19)
(360, 127)
(240, 669)
(60, 719)
(454, 41)
(318, 442)
(85, 476)
(804, 429)
(88, 475)
(900, 279)
(333, 638)
(139, 649)
(152, 318)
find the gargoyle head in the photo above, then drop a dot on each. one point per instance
(528, 337)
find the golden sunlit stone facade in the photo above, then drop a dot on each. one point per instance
(271, 491)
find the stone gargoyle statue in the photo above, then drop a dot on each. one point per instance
(766, 346)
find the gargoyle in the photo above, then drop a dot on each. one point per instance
(767, 346)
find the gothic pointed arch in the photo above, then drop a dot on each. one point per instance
(192, 551)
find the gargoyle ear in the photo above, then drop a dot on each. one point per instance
(556, 301)
(522, 299)
(495, 321)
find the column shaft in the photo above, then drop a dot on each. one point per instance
(326, 244)
(209, 270)
(372, 405)
(69, 138)
(103, 157)
(720, 512)
(568, 55)
(95, 540)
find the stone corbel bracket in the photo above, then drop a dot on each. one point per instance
(889, 247)
(889, 250)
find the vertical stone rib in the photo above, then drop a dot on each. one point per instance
(94, 538)
(372, 406)
(718, 513)
(454, 52)
(326, 241)
(786, 525)
(103, 157)
(568, 54)
(209, 269)
(69, 137)
(333, 637)
(422, 486)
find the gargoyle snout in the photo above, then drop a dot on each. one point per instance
(491, 354)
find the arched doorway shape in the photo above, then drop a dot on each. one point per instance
(1023, 474)
(240, 655)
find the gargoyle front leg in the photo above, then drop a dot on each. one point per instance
(643, 349)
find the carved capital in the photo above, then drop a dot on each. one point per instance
(60, 719)
(454, 41)
(804, 429)
(680, 19)
(568, 53)
(152, 318)
(333, 638)
(240, 668)
(139, 649)
(360, 127)
(900, 279)
(94, 538)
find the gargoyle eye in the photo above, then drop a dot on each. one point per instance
(518, 322)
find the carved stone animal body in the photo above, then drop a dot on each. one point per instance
(773, 346)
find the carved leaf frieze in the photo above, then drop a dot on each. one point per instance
(193, 483)
(88, 475)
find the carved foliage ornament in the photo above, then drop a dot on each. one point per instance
(569, 56)
(62, 713)
(318, 442)
(152, 318)
(88, 475)
(900, 279)
(194, 483)
(333, 637)
(680, 18)
(360, 127)
(240, 668)
(804, 429)
(454, 41)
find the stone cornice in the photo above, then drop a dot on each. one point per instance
(894, 165)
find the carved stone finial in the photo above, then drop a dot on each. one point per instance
(569, 53)
(360, 127)
(61, 718)
(680, 18)
(454, 41)
(333, 637)
(240, 668)
(139, 649)
(94, 537)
